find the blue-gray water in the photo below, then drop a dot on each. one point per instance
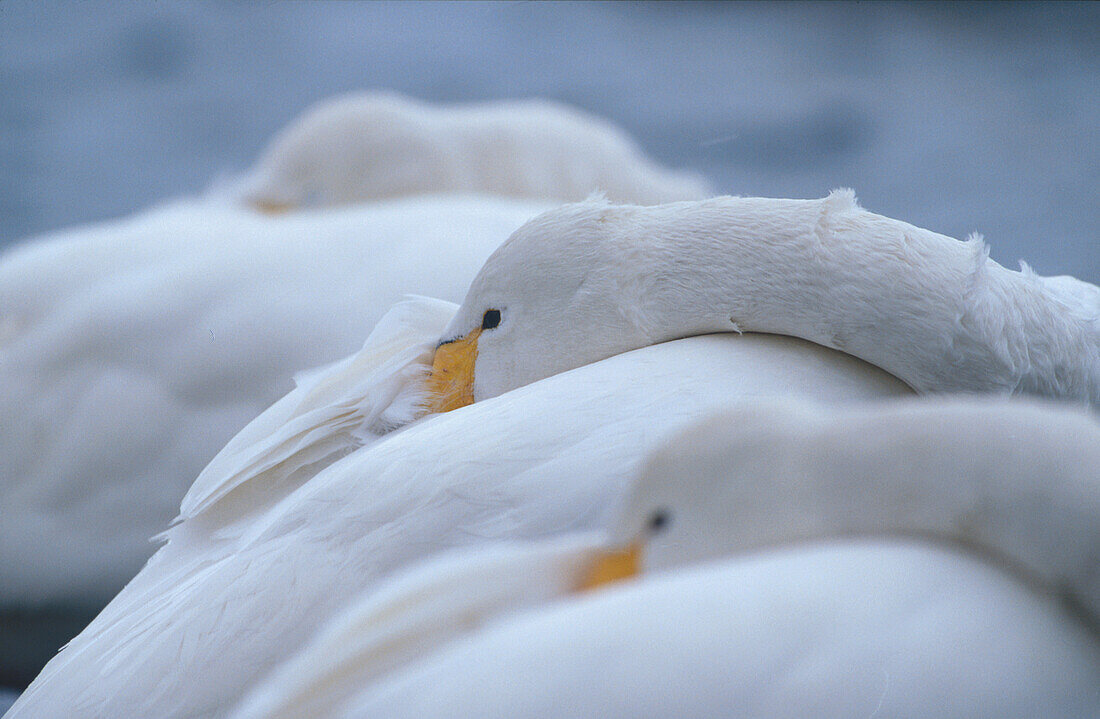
(956, 118)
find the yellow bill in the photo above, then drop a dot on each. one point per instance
(451, 381)
(269, 207)
(613, 566)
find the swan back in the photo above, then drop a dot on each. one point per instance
(839, 629)
(376, 145)
(1000, 497)
(131, 351)
(221, 601)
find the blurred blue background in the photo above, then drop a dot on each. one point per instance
(953, 117)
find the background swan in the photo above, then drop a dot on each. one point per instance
(1013, 484)
(253, 574)
(381, 144)
(590, 280)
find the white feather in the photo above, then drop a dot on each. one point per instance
(1014, 485)
(589, 280)
(133, 350)
(333, 410)
(834, 630)
(380, 144)
(239, 584)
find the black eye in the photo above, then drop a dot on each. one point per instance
(490, 320)
(659, 520)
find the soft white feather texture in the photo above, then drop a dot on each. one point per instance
(836, 630)
(1014, 483)
(132, 350)
(333, 410)
(589, 280)
(381, 144)
(242, 583)
(420, 610)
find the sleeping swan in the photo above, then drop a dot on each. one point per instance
(376, 145)
(311, 507)
(308, 509)
(961, 515)
(591, 280)
(833, 630)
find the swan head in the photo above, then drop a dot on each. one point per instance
(697, 497)
(700, 496)
(352, 148)
(553, 297)
(1012, 481)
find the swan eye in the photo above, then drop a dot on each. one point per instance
(659, 520)
(490, 320)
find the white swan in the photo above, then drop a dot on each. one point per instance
(131, 351)
(381, 144)
(1014, 485)
(851, 629)
(591, 280)
(263, 558)
(527, 463)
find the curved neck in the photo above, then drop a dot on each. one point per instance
(933, 311)
(1014, 482)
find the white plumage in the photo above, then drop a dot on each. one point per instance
(999, 504)
(261, 568)
(133, 350)
(589, 280)
(130, 351)
(284, 529)
(850, 629)
(382, 144)
(333, 410)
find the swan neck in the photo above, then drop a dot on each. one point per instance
(933, 311)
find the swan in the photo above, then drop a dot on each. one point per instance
(290, 531)
(944, 538)
(131, 351)
(382, 144)
(590, 280)
(540, 459)
(834, 630)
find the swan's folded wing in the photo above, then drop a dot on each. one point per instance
(840, 629)
(415, 614)
(333, 409)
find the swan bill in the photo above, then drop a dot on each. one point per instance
(613, 566)
(451, 381)
(270, 207)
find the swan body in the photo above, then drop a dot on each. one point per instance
(256, 569)
(589, 280)
(131, 351)
(416, 613)
(326, 501)
(856, 628)
(380, 144)
(1015, 485)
